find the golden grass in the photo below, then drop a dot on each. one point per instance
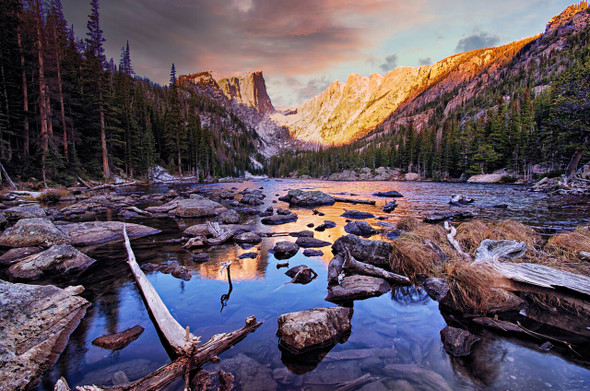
(53, 195)
(566, 246)
(474, 289)
(408, 224)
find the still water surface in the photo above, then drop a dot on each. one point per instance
(401, 327)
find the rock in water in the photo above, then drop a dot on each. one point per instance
(301, 274)
(35, 323)
(315, 328)
(308, 252)
(279, 219)
(357, 288)
(438, 217)
(16, 254)
(308, 198)
(33, 232)
(285, 249)
(375, 252)
(97, 232)
(390, 193)
(198, 206)
(355, 214)
(61, 261)
(457, 342)
(459, 199)
(229, 217)
(360, 228)
(300, 234)
(307, 242)
(389, 207)
(119, 340)
(248, 237)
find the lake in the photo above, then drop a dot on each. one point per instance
(395, 337)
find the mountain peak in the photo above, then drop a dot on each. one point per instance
(566, 16)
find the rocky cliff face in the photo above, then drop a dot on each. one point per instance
(347, 111)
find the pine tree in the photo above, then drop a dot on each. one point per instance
(172, 75)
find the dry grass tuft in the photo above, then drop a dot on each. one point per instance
(474, 289)
(421, 252)
(408, 224)
(470, 234)
(566, 246)
(53, 195)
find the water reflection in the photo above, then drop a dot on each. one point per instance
(399, 330)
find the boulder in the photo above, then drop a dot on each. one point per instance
(437, 288)
(253, 199)
(35, 323)
(307, 242)
(486, 178)
(285, 250)
(204, 230)
(248, 237)
(284, 212)
(375, 252)
(360, 228)
(308, 198)
(459, 199)
(334, 269)
(16, 254)
(457, 342)
(390, 193)
(412, 176)
(300, 234)
(229, 217)
(314, 328)
(357, 288)
(301, 274)
(33, 232)
(119, 340)
(389, 207)
(355, 214)
(198, 206)
(326, 225)
(279, 219)
(308, 252)
(97, 232)
(24, 212)
(60, 260)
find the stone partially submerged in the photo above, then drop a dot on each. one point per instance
(33, 232)
(457, 342)
(24, 212)
(98, 232)
(198, 206)
(119, 340)
(307, 198)
(35, 323)
(315, 328)
(357, 288)
(374, 252)
(60, 261)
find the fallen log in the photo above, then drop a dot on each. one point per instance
(354, 201)
(351, 265)
(10, 182)
(174, 333)
(452, 232)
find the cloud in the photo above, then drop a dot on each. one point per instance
(390, 63)
(312, 88)
(425, 61)
(477, 40)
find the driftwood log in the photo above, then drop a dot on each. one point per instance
(452, 232)
(184, 344)
(351, 265)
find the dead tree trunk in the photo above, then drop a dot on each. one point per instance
(25, 90)
(42, 90)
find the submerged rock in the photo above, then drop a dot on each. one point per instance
(35, 323)
(360, 228)
(459, 199)
(97, 232)
(249, 374)
(326, 225)
(438, 217)
(173, 268)
(302, 234)
(61, 260)
(198, 206)
(308, 198)
(285, 250)
(457, 342)
(279, 219)
(375, 252)
(307, 242)
(250, 255)
(314, 328)
(248, 237)
(308, 252)
(389, 207)
(33, 232)
(301, 274)
(199, 258)
(390, 193)
(119, 340)
(355, 214)
(357, 288)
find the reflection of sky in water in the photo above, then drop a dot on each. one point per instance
(404, 323)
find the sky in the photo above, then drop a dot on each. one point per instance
(304, 45)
